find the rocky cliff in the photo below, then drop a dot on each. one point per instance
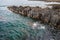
(47, 0)
(53, 0)
(47, 15)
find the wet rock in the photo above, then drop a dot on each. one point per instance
(20, 9)
(54, 19)
(47, 15)
(26, 10)
(35, 13)
(53, 0)
(13, 8)
(55, 6)
(47, 0)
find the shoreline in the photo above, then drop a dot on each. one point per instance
(47, 15)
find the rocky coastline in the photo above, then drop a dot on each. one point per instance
(52, 0)
(47, 0)
(47, 15)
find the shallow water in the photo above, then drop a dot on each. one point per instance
(16, 27)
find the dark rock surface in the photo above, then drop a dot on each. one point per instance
(53, 0)
(47, 15)
(47, 0)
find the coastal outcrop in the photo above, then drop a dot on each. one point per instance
(53, 0)
(47, 15)
(47, 0)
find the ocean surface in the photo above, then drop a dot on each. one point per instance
(16, 27)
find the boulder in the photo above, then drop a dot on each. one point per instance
(45, 15)
(35, 13)
(54, 6)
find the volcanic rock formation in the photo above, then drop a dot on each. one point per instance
(50, 16)
(47, 0)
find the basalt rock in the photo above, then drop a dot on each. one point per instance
(55, 6)
(47, 0)
(26, 10)
(46, 15)
(35, 13)
(52, 0)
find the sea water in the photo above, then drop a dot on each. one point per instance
(16, 27)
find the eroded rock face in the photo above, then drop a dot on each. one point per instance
(53, 0)
(20, 9)
(26, 10)
(46, 15)
(55, 6)
(35, 13)
(47, 0)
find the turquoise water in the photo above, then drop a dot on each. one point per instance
(16, 27)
